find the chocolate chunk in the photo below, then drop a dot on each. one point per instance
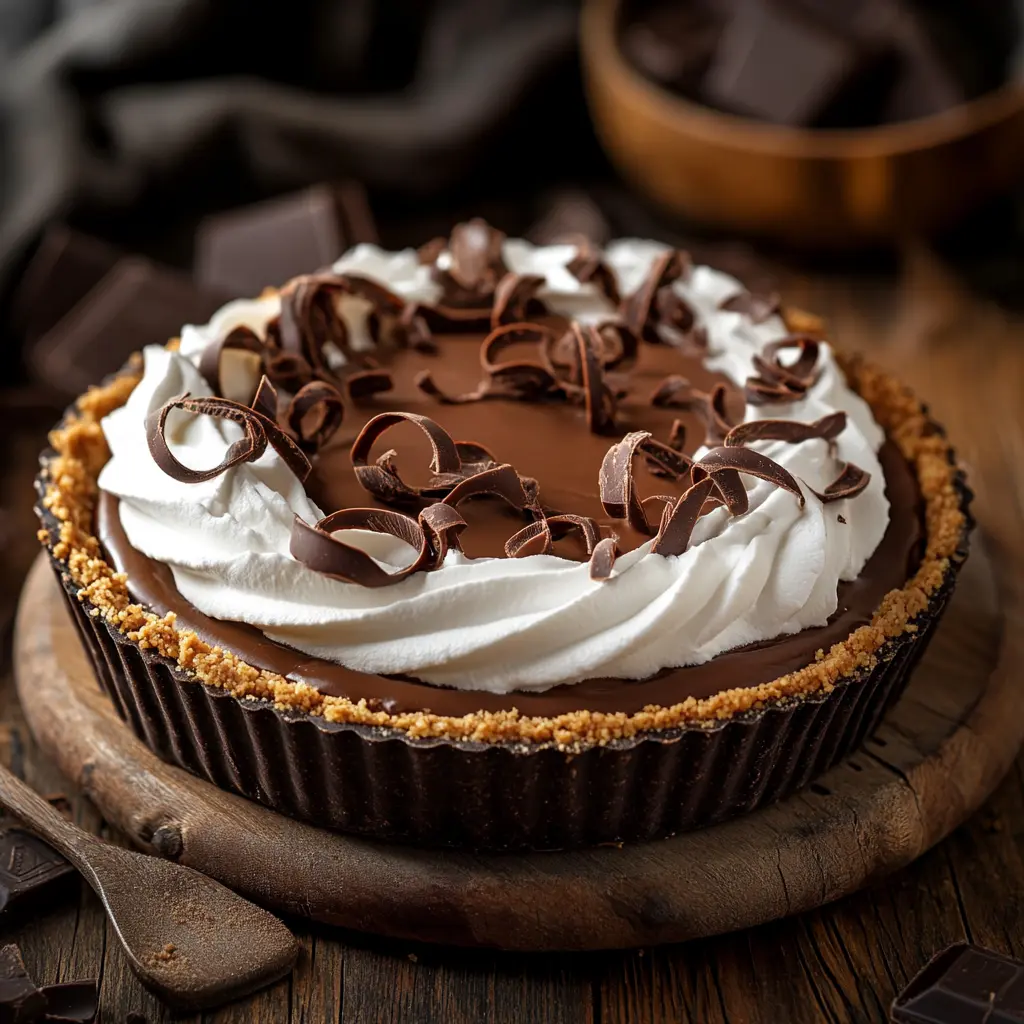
(65, 267)
(776, 64)
(74, 1002)
(963, 985)
(246, 250)
(138, 303)
(21, 1002)
(30, 871)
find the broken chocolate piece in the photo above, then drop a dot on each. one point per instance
(73, 1002)
(30, 870)
(21, 1002)
(963, 985)
(138, 303)
(65, 267)
(246, 250)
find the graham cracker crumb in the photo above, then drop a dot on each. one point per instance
(70, 497)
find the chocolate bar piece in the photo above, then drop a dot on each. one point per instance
(65, 267)
(776, 64)
(138, 303)
(73, 1002)
(246, 250)
(21, 1002)
(964, 984)
(29, 869)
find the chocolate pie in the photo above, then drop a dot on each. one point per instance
(502, 546)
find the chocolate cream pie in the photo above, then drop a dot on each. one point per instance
(501, 546)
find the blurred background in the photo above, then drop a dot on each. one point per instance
(160, 156)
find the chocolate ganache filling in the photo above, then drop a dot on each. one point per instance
(554, 400)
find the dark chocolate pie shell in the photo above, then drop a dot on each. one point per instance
(381, 783)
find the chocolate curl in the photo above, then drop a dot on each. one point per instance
(676, 392)
(518, 379)
(598, 399)
(432, 533)
(850, 482)
(314, 415)
(476, 265)
(645, 309)
(366, 383)
(382, 479)
(539, 536)
(777, 383)
(240, 339)
(724, 465)
(619, 345)
(259, 431)
(496, 481)
(588, 266)
(758, 307)
(679, 519)
(602, 559)
(828, 428)
(515, 297)
(616, 484)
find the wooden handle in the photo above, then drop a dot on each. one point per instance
(33, 811)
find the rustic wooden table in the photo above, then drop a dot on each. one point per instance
(842, 963)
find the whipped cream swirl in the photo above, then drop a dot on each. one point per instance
(501, 624)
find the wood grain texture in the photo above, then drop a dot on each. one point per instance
(842, 963)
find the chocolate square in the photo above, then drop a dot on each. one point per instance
(246, 250)
(138, 303)
(29, 869)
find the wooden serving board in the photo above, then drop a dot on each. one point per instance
(938, 755)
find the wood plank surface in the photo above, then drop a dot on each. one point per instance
(842, 963)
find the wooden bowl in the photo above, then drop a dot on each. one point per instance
(819, 187)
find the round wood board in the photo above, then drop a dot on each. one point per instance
(937, 756)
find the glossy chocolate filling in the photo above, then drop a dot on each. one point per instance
(550, 442)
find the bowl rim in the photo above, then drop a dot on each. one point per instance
(601, 55)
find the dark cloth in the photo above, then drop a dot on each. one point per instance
(133, 117)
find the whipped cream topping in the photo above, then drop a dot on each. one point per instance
(501, 624)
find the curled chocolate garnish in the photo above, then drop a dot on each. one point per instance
(676, 392)
(539, 537)
(758, 307)
(515, 297)
(776, 382)
(615, 482)
(850, 482)
(724, 465)
(475, 265)
(602, 559)
(589, 381)
(495, 481)
(248, 348)
(259, 429)
(588, 266)
(646, 309)
(309, 321)
(515, 379)
(679, 519)
(314, 415)
(828, 428)
(431, 534)
(367, 383)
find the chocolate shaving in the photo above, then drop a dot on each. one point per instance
(314, 415)
(476, 266)
(850, 482)
(515, 297)
(777, 383)
(431, 534)
(655, 302)
(676, 392)
(259, 430)
(588, 266)
(497, 481)
(602, 559)
(616, 484)
(724, 465)
(758, 307)
(827, 428)
(587, 381)
(241, 339)
(367, 383)
(679, 519)
(538, 538)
